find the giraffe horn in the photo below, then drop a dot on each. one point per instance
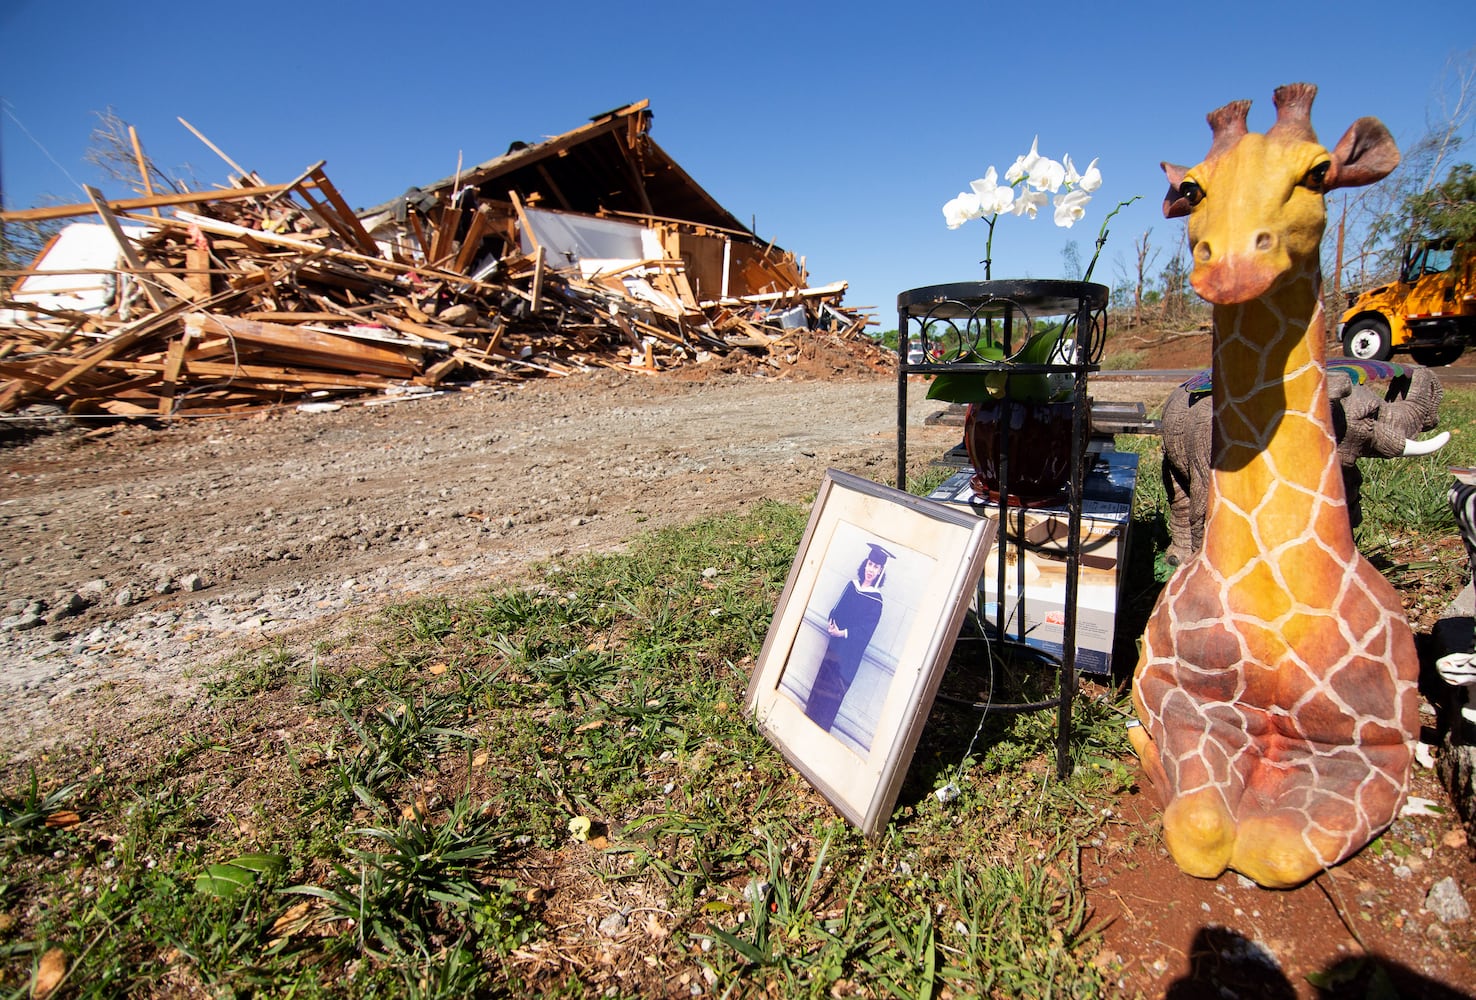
(1227, 125)
(1294, 112)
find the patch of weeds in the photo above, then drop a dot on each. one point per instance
(32, 819)
(392, 741)
(252, 674)
(1127, 359)
(424, 881)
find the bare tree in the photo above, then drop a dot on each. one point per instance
(1365, 237)
(114, 149)
(1147, 256)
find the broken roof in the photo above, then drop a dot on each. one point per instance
(610, 166)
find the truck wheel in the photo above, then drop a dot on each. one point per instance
(1434, 357)
(1368, 339)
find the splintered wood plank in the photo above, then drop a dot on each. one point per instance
(310, 347)
(204, 370)
(130, 204)
(480, 224)
(445, 235)
(125, 245)
(121, 341)
(538, 271)
(197, 270)
(345, 214)
(527, 230)
(173, 361)
(143, 165)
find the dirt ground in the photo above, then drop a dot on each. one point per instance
(136, 557)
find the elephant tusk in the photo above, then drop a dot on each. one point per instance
(1434, 444)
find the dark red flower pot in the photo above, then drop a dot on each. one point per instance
(1037, 447)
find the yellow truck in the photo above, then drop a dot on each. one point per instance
(1429, 312)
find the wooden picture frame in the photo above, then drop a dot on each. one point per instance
(853, 659)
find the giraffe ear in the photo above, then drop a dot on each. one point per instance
(1175, 205)
(1366, 153)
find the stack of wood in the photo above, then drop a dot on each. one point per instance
(262, 295)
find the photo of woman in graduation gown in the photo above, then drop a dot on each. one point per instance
(851, 624)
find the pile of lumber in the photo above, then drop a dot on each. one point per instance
(258, 295)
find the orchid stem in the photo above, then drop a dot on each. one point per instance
(1102, 235)
(989, 246)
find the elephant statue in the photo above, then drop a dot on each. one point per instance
(1367, 426)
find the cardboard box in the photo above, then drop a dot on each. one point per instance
(1107, 504)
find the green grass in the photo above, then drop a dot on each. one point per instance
(554, 790)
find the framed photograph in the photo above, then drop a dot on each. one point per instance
(859, 640)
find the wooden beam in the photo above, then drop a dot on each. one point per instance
(125, 246)
(118, 342)
(245, 174)
(346, 215)
(309, 347)
(143, 165)
(197, 271)
(538, 272)
(480, 224)
(173, 361)
(517, 204)
(130, 204)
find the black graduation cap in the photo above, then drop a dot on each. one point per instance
(878, 554)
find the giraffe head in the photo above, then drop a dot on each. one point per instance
(1255, 204)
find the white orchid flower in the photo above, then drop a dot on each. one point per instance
(1030, 202)
(961, 209)
(1092, 179)
(1047, 175)
(993, 197)
(1072, 177)
(1023, 166)
(1070, 206)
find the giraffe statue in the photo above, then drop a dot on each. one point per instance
(1276, 689)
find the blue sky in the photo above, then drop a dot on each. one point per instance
(839, 130)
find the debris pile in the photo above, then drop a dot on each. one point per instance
(534, 264)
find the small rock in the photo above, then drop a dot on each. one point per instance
(709, 573)
(123, 597)
(191, 582)
(1446, 902)
(72, 604)
(613, 925)
(27, 619)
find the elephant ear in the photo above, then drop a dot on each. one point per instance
(1416, 396)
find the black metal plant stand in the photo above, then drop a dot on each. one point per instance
(946, 320)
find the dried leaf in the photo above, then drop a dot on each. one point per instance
(49, 973)
(437, 668)
(480, 759)
(63, 819)
(292, 921)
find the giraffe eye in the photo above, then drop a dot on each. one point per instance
(1191, 192)
(1316, 179)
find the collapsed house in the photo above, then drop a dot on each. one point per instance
(592, 248)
